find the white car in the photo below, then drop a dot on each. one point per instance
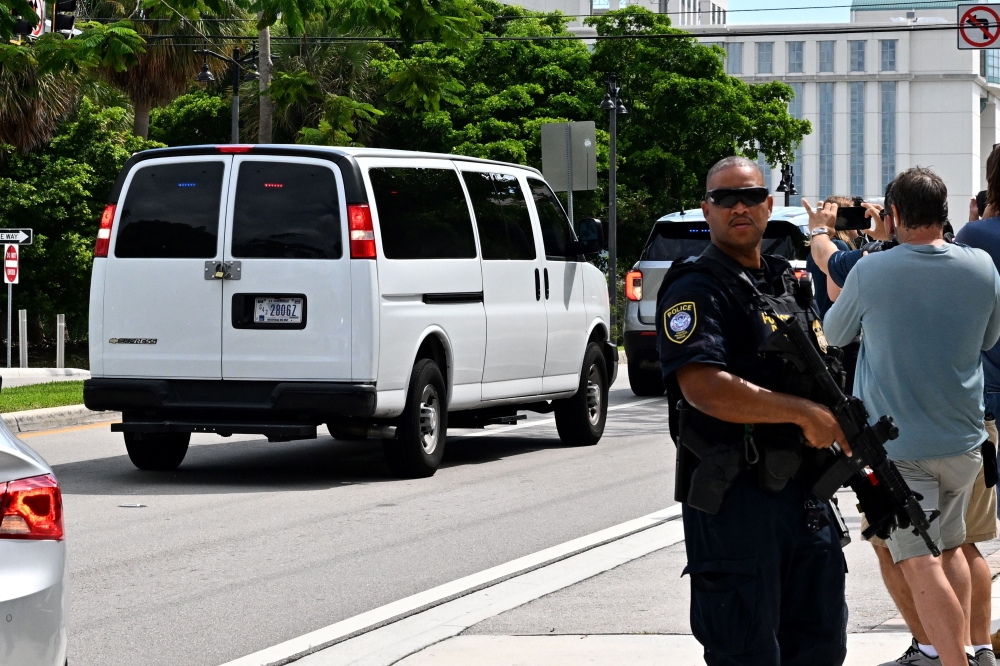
(390, 294)
(33, 603)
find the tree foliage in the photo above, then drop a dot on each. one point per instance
(60, 191)
(196, 117)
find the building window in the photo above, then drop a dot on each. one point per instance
(989, 65)
(765, 57)
(857, 55)
(857, 138)
(795, 111)
(765, 169)
(734, 58)
(826, 56)
(888, 90)
(825, 140)
(600, 5)
(888, 47)
(795, 57)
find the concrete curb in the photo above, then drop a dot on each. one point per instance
(33, 420)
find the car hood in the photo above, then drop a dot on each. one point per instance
(18, 460)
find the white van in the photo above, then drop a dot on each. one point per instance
(270, 289)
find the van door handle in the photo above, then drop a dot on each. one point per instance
(538, 287)
(546, 284)
(223, 270)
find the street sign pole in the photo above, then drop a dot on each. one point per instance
(10, 306)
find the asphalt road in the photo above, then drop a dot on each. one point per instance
(249, 543)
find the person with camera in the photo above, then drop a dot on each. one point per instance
(755, 540)
(927, 373)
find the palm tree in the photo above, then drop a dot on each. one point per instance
(169, 64)
(31, 101)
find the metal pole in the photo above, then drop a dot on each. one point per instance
(61, 341)
(22, 337)
(10, 309)
(236, 96)
(569, 173)
(613, 219)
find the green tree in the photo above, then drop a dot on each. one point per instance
(194, 118)
(60, 191)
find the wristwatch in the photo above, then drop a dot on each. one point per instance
(819, 231)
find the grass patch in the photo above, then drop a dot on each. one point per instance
(37, 396)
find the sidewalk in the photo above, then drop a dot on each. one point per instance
(27, 376)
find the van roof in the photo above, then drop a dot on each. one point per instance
(795, 214)
(345, 158)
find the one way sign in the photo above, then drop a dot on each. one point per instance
(17, 236)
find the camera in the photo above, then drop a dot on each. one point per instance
(852, 217)
(878, 246)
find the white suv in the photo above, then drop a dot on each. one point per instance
(270, 289)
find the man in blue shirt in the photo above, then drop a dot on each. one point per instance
(927, 309)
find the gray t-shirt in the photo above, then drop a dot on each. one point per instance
(925, 313)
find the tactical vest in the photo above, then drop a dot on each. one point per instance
(722, 450)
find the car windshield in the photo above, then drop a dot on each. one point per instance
(671, 241)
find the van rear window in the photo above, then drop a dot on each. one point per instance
(422, 214)
(171, 211)
(286, 211)
(671, 241)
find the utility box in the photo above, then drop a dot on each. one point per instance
(569, 156)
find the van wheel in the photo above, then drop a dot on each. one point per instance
(157, 451)
(580, 420)
(418, 448)
(644, 382)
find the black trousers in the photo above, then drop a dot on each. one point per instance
(764, 590)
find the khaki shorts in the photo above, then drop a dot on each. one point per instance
(980, 517)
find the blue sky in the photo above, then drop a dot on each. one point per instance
(783, 14)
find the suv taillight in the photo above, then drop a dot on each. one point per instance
(104, 232)
(359, 220)
(633, 285)
(31, 509)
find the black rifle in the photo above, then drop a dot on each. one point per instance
(888, 503)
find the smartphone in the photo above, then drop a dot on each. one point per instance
(852, 217)
(981, 202)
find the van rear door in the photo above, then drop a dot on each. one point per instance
(162, 316)
(286, 305)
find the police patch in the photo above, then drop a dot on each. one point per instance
(679, 321)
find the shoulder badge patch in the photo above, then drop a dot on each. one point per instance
(679, 321)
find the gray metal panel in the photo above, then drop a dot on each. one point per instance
(570, 147)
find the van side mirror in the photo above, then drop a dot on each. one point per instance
(591, 236)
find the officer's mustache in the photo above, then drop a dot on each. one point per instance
(742, 216)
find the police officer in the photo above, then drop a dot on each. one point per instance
(765, 561)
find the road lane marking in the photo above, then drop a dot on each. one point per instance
(482, 586)
(548, 421)
(58, 431)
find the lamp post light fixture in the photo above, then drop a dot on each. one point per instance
(613, 105)
(238, 63)
(787, 184)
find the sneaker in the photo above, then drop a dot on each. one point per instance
(985, 657)
(914, 657)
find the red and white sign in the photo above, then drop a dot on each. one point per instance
(11, 272)
(978, 26)
(39, 7)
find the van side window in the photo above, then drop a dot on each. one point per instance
(557, 235)
(422, 214)
(171, 211)
(501, 216)
(286, 211)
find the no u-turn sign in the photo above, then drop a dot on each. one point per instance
(978, 26)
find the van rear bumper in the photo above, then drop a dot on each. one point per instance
(229, 401)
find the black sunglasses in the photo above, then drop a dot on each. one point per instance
(728, 197)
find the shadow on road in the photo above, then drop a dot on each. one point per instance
(256, 465)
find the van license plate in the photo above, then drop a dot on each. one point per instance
(278, 311)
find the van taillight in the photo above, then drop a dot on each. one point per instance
(633, 285)
(234, 149)
(359, 219)
(31, 509)
(104, 232)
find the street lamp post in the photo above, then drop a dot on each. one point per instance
(787, 184)
(613, 105)
(238, 63)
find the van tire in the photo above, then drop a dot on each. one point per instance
(418, 448)
(157, 452)
(644, 382)
(580, 420)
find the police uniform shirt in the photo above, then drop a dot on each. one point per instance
(699, 321)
